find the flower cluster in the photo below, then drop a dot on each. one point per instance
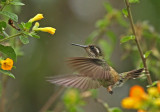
(143, 102)
(36, 26)
(6, 64)
(73, 100)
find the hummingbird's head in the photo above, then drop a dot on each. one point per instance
(92, 50)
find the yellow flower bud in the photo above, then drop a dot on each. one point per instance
(35, 26)
(7, 64)
(36, 18)
(153, 91)
(47, 29)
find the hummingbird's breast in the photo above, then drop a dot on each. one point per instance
(114, 75)
(114, 78)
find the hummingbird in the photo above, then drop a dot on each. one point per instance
(93, 72)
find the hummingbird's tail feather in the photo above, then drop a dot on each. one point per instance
(134, 73)
(76, 81)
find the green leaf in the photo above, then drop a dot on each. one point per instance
(147, 53)
(17, 3)
(133, 1)
(24, 39)
(121, 20)
(106, 47)
(7, 73)
(115, 109)
(108, 7)
(79, 109)
(91, 37)
(127, 38)
(141, 65)
(2, 25)
(3, 0)
(28, 25)
(153, 84)
(112, 36)
(35, 35)
(1, 37)
(94, 93)
(125, 12)
(102, 23)
(10, 15)
(9, 51)
(22, 25)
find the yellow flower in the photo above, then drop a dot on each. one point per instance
(153, 91)
(157, 102)
(138, 92)
(71, 96)
(7, 64)
(141, 110)
(36, 18)
(131, 103)
(158, 86)
(46, 29)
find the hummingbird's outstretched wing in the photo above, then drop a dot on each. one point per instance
(91, 67)
(76, 81)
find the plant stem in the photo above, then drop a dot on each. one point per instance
(6, 38)
(99, 36)
(3, 6)
(137, 43)
(3, 100)
(59, 107)
(51, 100)
(105, 105)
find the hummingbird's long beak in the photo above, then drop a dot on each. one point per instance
(84, 46)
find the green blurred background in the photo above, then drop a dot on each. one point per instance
(74, 21)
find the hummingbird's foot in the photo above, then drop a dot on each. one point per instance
(109, 89)
(111, 92)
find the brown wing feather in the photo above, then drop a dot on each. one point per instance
(91, 67)
(76, 81)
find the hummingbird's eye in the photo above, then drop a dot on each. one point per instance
(92, 47)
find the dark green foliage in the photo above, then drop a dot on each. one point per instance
(34, 35)
(72, 100)
(10, 15)
(115, 109)
(17, 3)
(147, 53)
(127, 38)
(133, 1)
(2, 25)
(24, 39)
(153, 84)
(9, 51)
(1, 36)
(25, 26)
(125, 12)
(7, 73)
